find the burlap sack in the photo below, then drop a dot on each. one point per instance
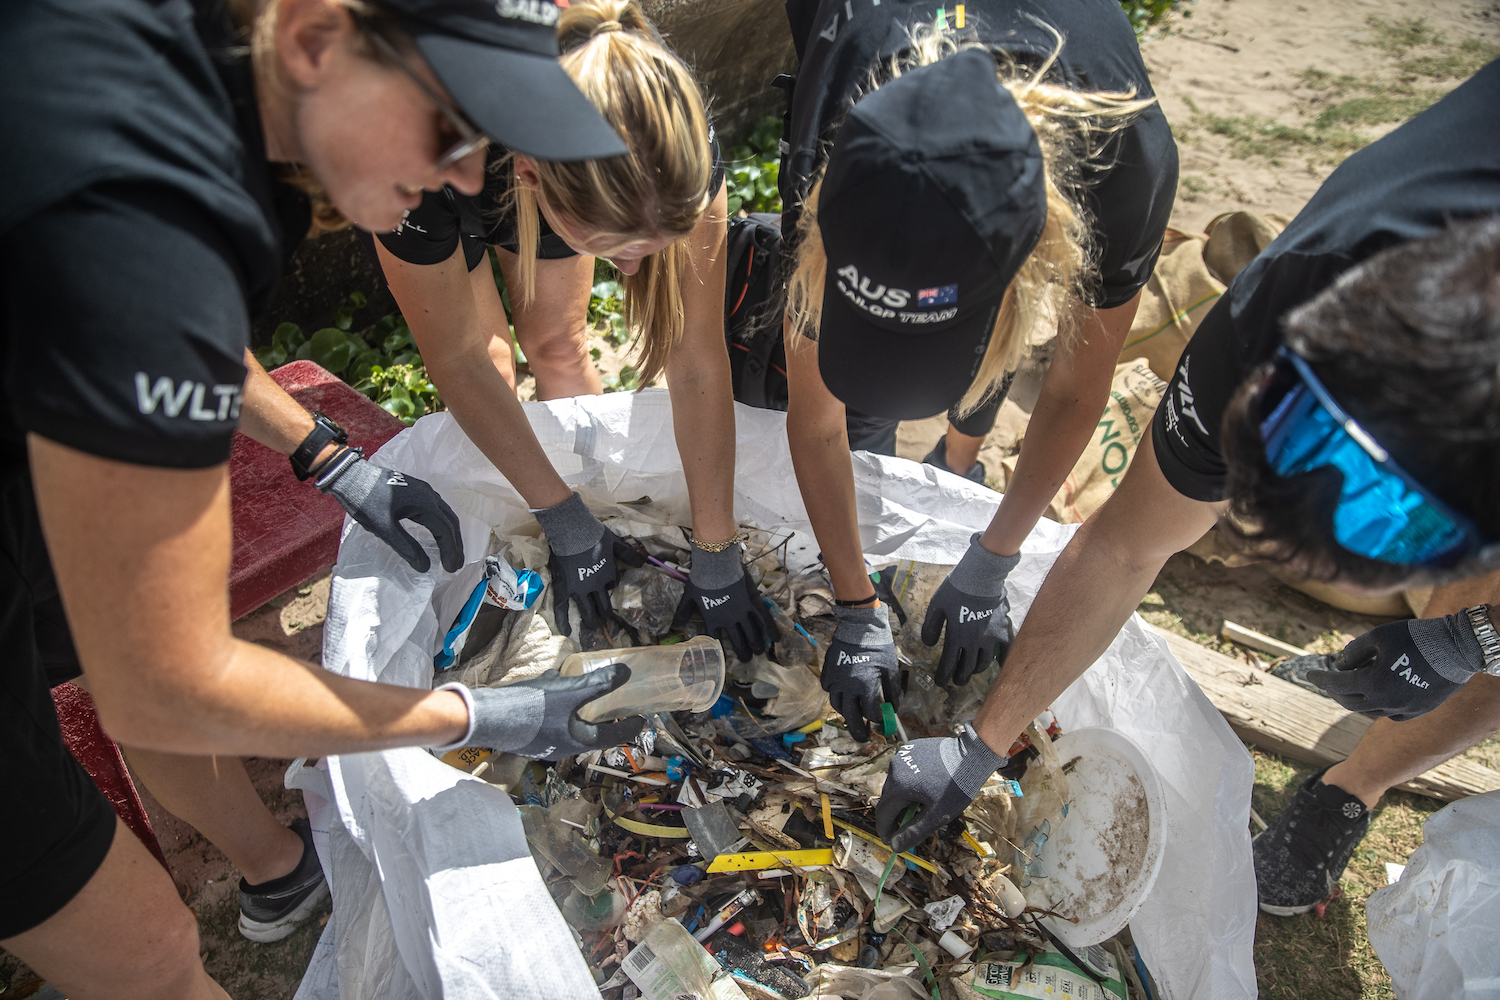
(1127, 418)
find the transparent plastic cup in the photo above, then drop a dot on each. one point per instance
(685, 676)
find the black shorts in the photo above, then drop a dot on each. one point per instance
(59, 825)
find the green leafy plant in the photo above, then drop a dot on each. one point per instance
(752, 169)
(1147, 14)
(381, 362)
(607, 304)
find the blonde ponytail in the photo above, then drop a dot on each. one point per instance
(617, 59)
(1071, 127)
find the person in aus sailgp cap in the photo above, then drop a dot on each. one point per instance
(959, 186)
(185, 161)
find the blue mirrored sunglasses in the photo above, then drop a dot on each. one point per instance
(1383, 513)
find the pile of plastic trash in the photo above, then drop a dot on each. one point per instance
(730, 851)
(717, 813)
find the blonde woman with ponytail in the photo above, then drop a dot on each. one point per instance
(658, 215)
(962, 182)
(151, 134)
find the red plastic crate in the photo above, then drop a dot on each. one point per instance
(284, 530)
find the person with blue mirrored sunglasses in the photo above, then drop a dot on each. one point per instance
(1341, 403)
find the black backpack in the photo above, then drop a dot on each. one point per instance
(754, 297)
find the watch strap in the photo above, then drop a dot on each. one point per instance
(1489, 640)
(324, 431)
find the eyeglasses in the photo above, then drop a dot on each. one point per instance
(470, 141)
(1383, 513)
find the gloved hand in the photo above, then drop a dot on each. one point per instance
(539, 718)
(972, 602)
(1403, 669)
(718, 588)
(583, 562)
(378, 499)
(942, 775)
(860, 666)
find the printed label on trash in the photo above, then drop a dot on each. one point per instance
(1049, 977)
(684, 967)
(509, 588)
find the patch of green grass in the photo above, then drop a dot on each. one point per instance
(1343, 110)
(1375, 110)
(1258, 135)
(1191, 186)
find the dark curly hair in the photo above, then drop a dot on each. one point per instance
(1408, 342)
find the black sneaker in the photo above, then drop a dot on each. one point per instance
(1300, 858)
(938, 459)
(272, 910)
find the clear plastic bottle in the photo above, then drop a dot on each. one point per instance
(683, 676)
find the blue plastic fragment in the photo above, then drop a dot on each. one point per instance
(788, 739)
(677, 767)
(724, 706)
(446, 655)
(770, 746)
(911, 865)
(687, 874)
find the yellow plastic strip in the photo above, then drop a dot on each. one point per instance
(650, 829)
(977, 847)
(811, 727)
(928, 865)
(827, 816)
(761, 860)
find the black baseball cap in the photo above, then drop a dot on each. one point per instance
(498, 61)
(933, 197)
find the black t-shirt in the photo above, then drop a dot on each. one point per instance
(433, 230)
(1442, 165)
(139, 228)
(1131, 182)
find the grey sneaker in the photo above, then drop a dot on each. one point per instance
(272, 910)
(938, 459)
(1300, 857)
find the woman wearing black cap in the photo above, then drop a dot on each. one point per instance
(959, 189)
(136, 129)
(659, 216)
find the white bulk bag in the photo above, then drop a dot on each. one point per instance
(435, 894)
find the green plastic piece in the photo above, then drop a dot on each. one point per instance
(888, 716)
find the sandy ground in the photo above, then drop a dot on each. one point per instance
(1234, 80)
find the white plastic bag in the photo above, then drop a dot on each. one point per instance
(466, 908)
(1437, 930)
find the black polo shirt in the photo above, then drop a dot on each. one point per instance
(1131, 182)
(1442, 165)
(139, 228)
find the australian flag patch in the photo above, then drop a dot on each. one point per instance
(940, 296)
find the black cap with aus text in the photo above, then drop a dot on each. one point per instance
(498, 61)
(933, 197)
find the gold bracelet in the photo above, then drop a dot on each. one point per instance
(739, 537)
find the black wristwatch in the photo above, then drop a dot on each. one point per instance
(324, 431)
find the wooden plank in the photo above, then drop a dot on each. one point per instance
(1279, 716)
(1232, 632)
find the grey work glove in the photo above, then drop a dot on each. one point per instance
(860, 667)
(379, 499)
(582, 562)
(942, 775)
(1403, 669)
(539, 718)
(732, 611)
(972, 602)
